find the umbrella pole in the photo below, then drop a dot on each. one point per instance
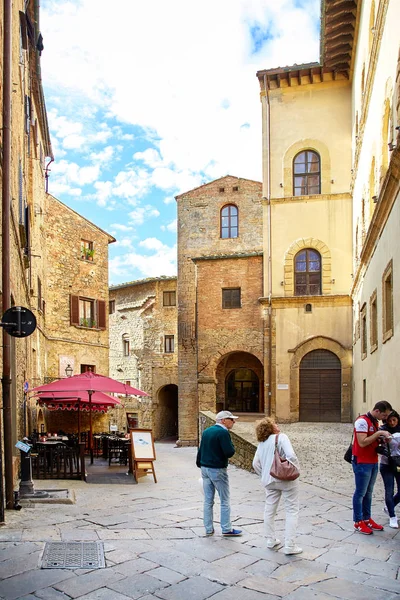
(90, 392)
(79, 421)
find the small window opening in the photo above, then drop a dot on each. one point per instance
(235, 188)
(221, 190)
(308, 308)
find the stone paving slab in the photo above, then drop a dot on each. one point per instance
(155, 545)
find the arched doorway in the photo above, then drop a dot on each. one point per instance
(242, 390)
(166, 422)
(320, 387)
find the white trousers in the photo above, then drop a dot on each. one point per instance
(290, 494)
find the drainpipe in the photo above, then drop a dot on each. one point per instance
(5, 262)
(269, 239)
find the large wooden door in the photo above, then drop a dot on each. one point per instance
(320, 387)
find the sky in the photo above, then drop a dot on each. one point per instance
(147, 100)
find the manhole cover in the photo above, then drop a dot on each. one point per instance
(73, 555)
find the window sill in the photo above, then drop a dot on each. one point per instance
(373, 349)
(88, 328)
(88, 260)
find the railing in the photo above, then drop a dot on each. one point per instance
(58, 461)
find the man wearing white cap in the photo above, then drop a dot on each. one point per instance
(212, 458)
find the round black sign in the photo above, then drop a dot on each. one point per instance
(19, 321)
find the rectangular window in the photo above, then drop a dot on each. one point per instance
(387, 302)
(364, 391)
(85, 312)
(169, 345)
(88, 368)
(87, 251)
(231, 298)
(169, 298)
(111, 307)
(126, 347)
(39, 293)
(363, 320)
(373, 325)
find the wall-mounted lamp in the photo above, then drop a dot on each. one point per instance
(69, 370)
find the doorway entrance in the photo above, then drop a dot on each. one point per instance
(242, 391)
(166, 421)
(320, 387)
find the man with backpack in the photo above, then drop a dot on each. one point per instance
(365, 465)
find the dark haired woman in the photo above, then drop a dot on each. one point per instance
(266, 432)
(392, 425)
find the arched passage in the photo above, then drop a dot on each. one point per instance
(240, 380)
(320, 387)
(166, 423)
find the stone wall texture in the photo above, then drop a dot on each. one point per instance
(142, 320)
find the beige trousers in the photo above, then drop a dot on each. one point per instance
(290, 494)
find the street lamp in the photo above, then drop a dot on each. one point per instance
(68, 370)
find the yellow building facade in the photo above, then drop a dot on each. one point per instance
(330, 197)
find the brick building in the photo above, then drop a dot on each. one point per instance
(143, 352)
(220, 321)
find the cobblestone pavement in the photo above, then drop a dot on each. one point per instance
(155, 546)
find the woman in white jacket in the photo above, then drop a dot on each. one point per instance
(266, 431)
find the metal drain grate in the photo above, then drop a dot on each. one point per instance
(73, 555)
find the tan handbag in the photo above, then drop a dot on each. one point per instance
(281, 468)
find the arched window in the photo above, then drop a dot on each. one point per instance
(307, 273)
(126, 347)
(306, 173)
(229, 221)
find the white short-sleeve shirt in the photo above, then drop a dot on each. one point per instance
(361, 426)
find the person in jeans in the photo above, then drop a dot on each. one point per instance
(365, 465)
(266, 432)
(392, 425)
(212, 458)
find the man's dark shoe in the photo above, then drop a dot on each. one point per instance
(233, 533)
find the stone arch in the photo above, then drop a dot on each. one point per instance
(344, 355)
(326, 267)
(293, 150)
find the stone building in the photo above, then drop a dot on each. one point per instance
(143, 352)
(25, 144)
(73, 301)
(220, 321)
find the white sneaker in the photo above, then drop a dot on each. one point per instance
(393, 522)
(271, 543)
(292, 550)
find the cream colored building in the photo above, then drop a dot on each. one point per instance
(331, 214)
(375, 188)
(143, 352)
(307, 162)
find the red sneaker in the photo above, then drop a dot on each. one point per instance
(370, 523)
(362, 527)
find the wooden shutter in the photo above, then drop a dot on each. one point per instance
(74, 309)
(23, 30)
(101, 314)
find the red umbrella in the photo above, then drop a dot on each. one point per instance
(80, 402)
(89, 382)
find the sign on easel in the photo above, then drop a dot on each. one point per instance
(143, 452)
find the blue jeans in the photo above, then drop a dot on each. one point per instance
(216, 479)
(388, 477)
(365, 476)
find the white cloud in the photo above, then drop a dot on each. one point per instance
(169, 199)
(133, 264)
(142, 213)
(209, 125)
(104, 156)
(104, 191)
(121, 227)
(151, 244)
(173, 226)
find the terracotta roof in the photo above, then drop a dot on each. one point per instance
(339, 20)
